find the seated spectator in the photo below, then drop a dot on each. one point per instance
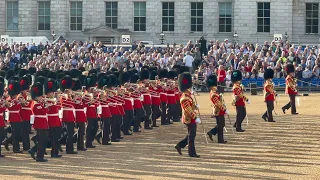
(299, 72)
(306, 75)
(315, 72)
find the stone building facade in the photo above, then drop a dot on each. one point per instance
(179, 20)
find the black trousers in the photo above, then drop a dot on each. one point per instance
(147, 117)
(164, 119)
(218, 129)
(241, 114)
(42, 140)
(70, 132)
(291, 104)
(189, 139)
(55, 134)
(114, 127)
(138, 116)
(2, 134)
(156, 113)
(25, 135)
(268, 113)
(16, 135)
(80, 134)
(127, 120)
(106, 130)
(91, 131)
(172, 112)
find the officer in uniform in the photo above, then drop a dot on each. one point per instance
(239, 99)
(219, 109)
(189, 116)
(291, 89)
(2, 124)
(269, 95)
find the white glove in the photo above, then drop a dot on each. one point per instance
(198, 106)
(248, 101)
(198, 120)
(227, 112)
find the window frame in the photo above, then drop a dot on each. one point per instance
(311, 18)
(196, 17)
(139, 16)
(112, 16)
(225, 17)
(263, 17)
(38, 16)
(12, 30)
(70, 23)
(168, 16)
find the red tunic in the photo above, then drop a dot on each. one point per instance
(68, 110)
(40, 117)
(53, 116)
(2, 109)
(14, 115)
(146, 98)
(105, 111)
(216, 101)
(128, 104)
(171, 97)
(79, 109)
(270, 91)
(163, 95)
(290, 82)
(113, 107)
(237, 90)
(137, 104)
(26, 111)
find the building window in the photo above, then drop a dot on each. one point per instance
(44, 15)
(12, 16)
(139, 16)
(112, 14)
(263, 17)
(225, 17)
(76, 16)
(196, 16)
(167, 16)
(312, 17)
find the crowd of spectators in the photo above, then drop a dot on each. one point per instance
(201, 57)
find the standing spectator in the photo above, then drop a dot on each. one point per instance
(221, 79)
(188, 61)
(203, 46)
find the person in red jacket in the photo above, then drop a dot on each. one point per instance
(25, 111)
(91, 104)
(239, 99)
(172, 113)
(269, 95)
(54, 122)
(291, 90)
(163, 96)
(40, 123)
(80, 117)
(2, 109)
(146, 97)
(155, 99)
(222, 74)
(219, 109)
(14, 107)
(124, 78)
(68, 115)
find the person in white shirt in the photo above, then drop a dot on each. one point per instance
(188, 61)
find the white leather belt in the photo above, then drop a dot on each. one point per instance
(170, 94)
(26, 108)
(155, 96)
(13, 111)
(40, 116)
(79, 110)
(105, 106)
(57, 114)
(1, 114)
(67, 109)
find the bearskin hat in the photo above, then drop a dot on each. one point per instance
(82, 69)
(76, 84)
(40, 79)
(103, 81)
(184, 81)
(116, 73)
(113, 81)
(16, 71)
(14, 78)
(32, 70)
(25, 83)
(134, 78)
(67, 73)
(145, 67)
(10, 73)
(60, 76)
(144, 74)
(212, 81)
(65, 83)
(172, 74)
(268, 74)
(184, 69)
(1, 88)
(36, 90)
(93, 71)
(124, 78)
(153, 75)
(1, 79)
(40, 73)
(13, 87)
(23, 72)
(113, 69)
(82, 78)
(46, 71)
(5, 68)
(153, 68)
(236, 76)
(163, 73)
(75, 73)
(90, 81)
(289, 68)
(3, 73)
(176, 67)
(100, 75)
(52, 75)
(50, 86)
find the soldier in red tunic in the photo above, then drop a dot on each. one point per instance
(155, 99)
(40, 123)
(291, 90)
(124, 79)
(269, 95)
(2, 109)
(146, 97)
(219, 109)
(189, 117)
(163, 73)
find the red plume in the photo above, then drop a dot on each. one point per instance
(22, 82)
(64, 82)
(49, 85)
(36, 90)
(73, 83)
(185, 81)
(11, 87)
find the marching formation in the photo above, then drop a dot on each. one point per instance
(79, 107)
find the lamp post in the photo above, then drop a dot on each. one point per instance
(286, 37)
(235, 38)
(53, 36)
(162, 37)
